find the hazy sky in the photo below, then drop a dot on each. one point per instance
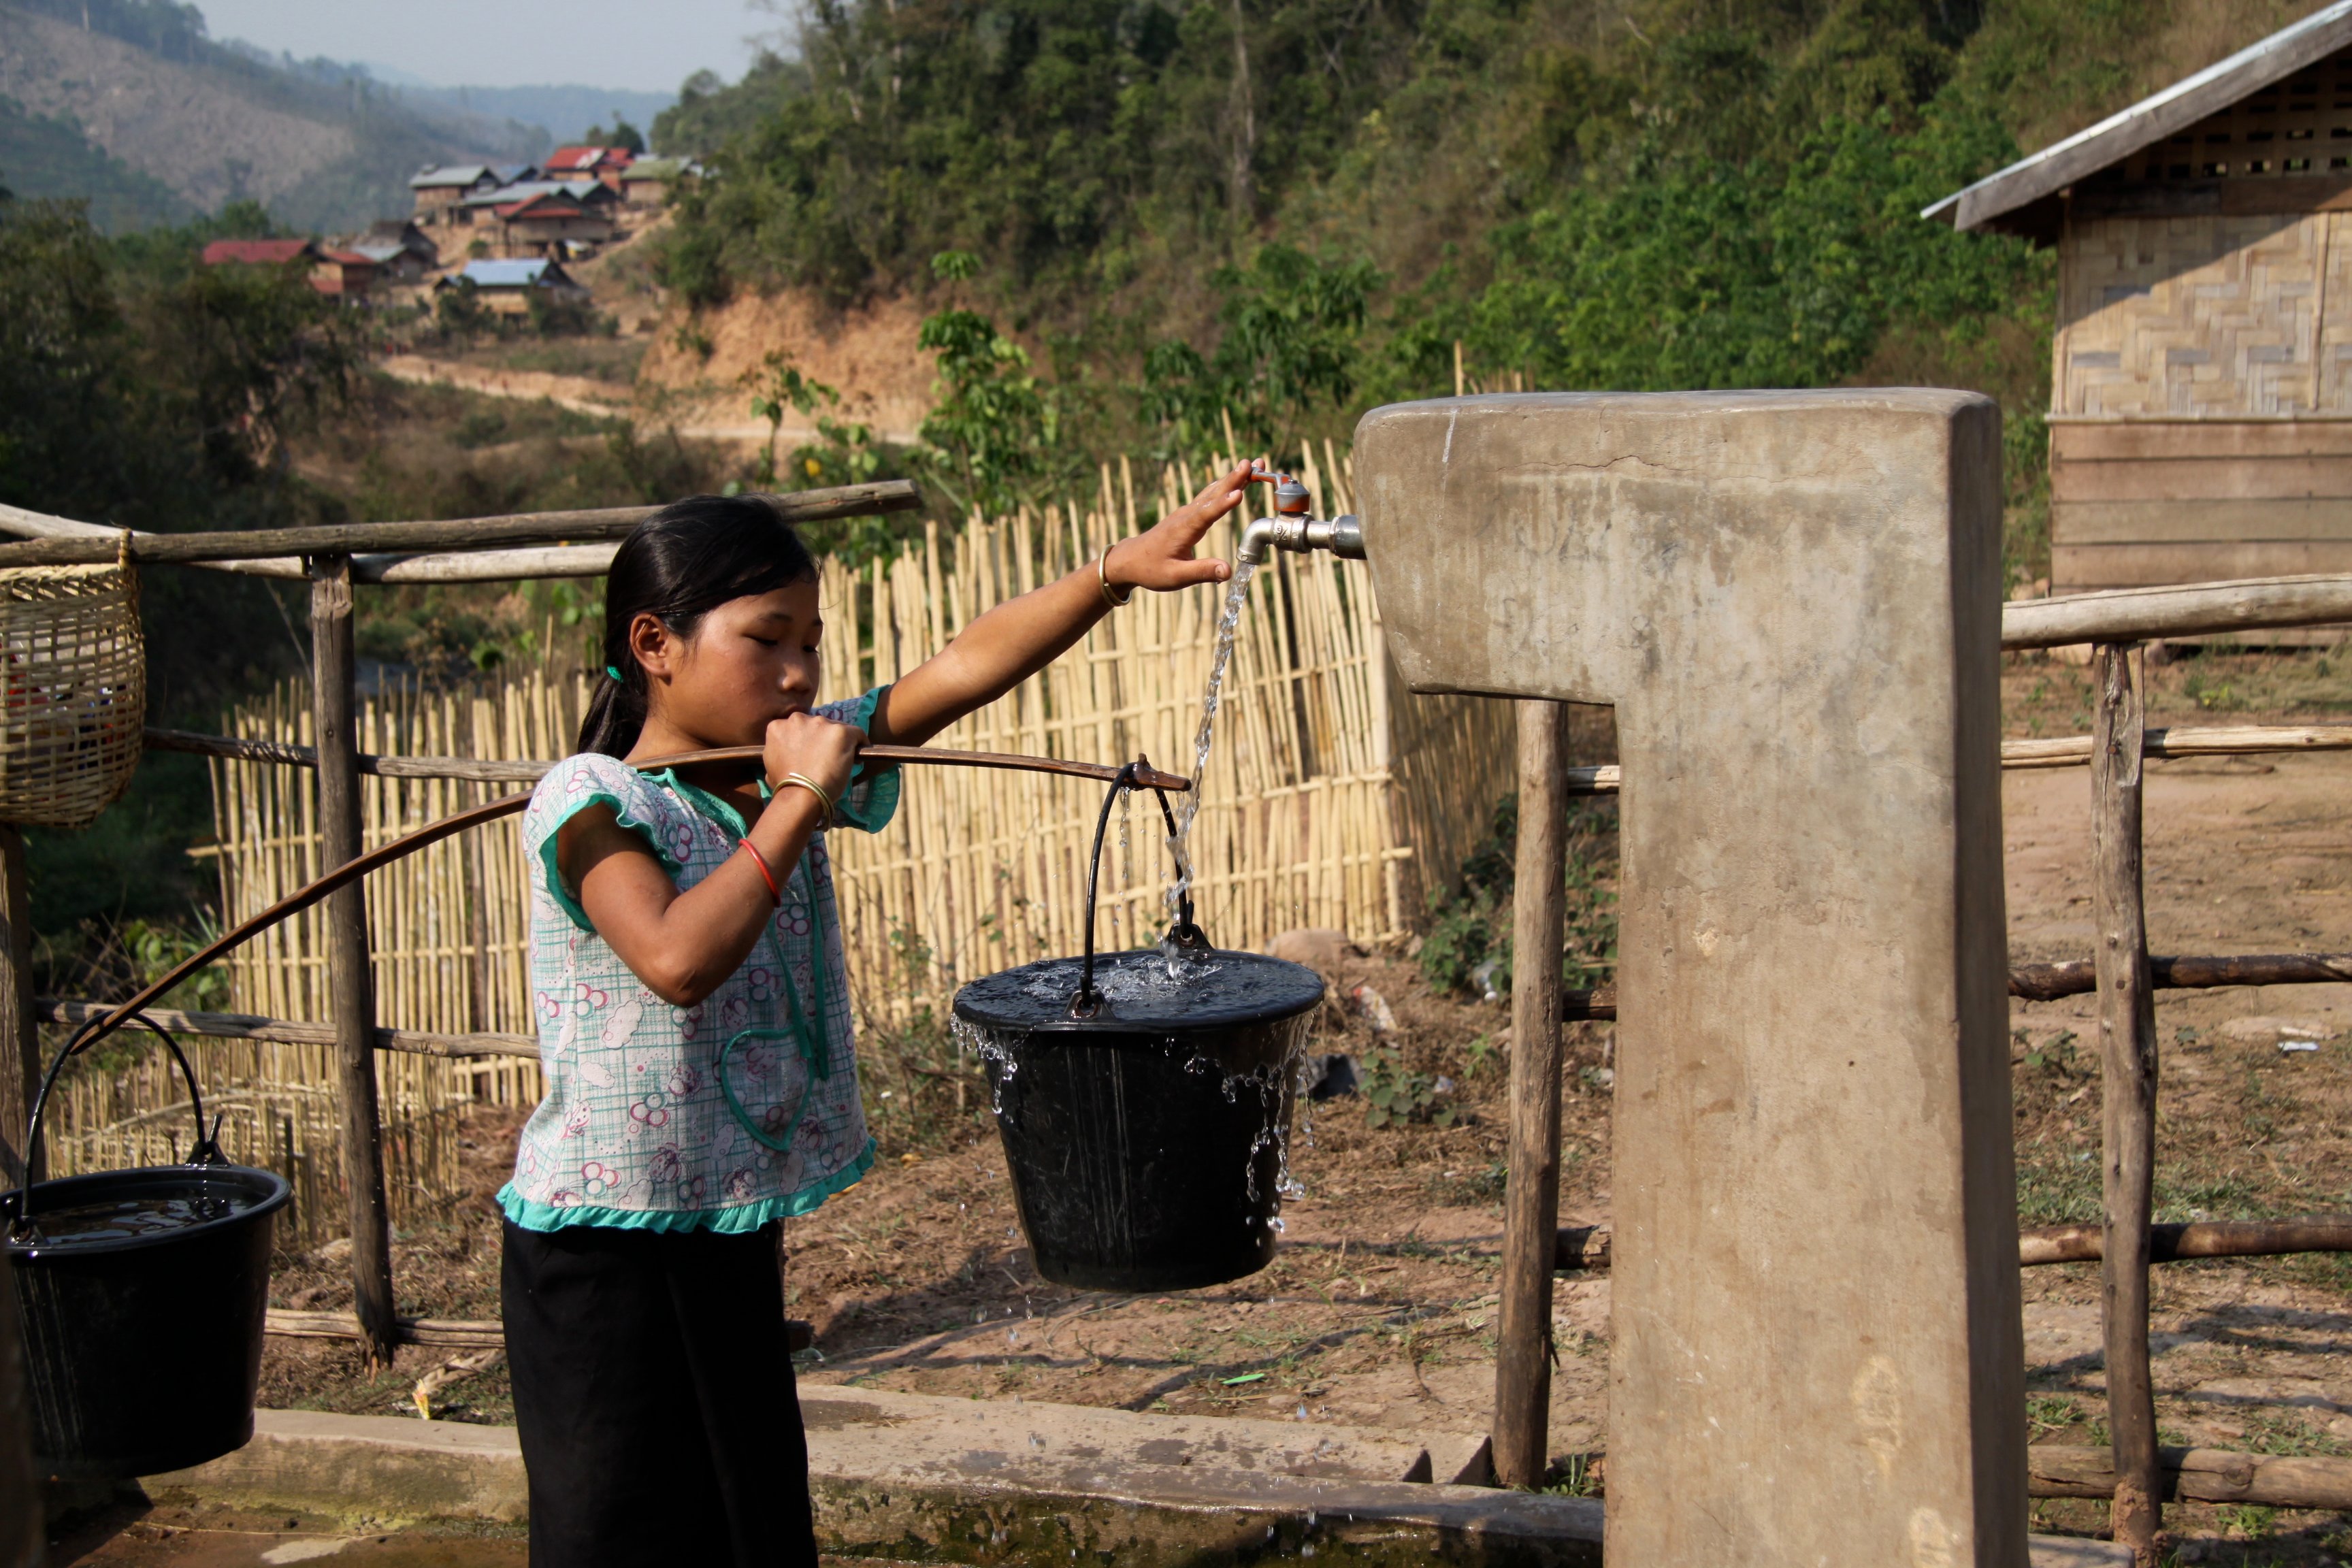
(651, 44)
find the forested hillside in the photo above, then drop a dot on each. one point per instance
(1294, 209)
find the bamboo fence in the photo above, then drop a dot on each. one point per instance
(1332, 797)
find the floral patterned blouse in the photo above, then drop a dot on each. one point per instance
(721, 1116)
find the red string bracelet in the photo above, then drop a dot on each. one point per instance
(765, 875)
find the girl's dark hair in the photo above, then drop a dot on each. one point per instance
(679, 565)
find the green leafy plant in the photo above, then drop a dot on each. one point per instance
(2055, 1054)
(1395, 1095)
(777, 387)
(1481, 1056)
(1577, 1475)
(993, 437)
(2050, 1413)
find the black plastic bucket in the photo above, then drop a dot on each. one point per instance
(141, 1294)
(1146, 1141)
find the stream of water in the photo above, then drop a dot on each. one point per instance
(1179, 846)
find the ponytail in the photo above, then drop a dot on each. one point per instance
(679, 565)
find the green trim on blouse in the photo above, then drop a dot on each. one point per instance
(732, 1221)
(546, 850)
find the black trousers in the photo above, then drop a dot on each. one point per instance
(659, 1420)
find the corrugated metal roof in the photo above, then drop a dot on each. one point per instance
(458, 175)
(531, 274)
(2119, 136)
(523, 190)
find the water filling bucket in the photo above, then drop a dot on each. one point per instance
(1144, 1100)
(1146, 1141)
(143, 1295)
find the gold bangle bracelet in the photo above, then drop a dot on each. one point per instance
(1102, 577)
(824, 800)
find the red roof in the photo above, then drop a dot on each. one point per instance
(258, 252)
(348, 257)
(583, 160)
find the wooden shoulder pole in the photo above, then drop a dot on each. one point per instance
(1531, 1198)
(2128, 1063)
(335, 700)
(20, 1038)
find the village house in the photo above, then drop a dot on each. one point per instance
(522, 223)
(2201, 410)
(439, 191)
(648, 184)
(342, 274)
(550, 222)
(402, 252)
(604, 164)
(508, 286)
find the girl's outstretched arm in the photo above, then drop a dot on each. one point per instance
(1021, 637)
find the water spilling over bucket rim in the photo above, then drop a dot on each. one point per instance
(1021, 998)
(142, 1181)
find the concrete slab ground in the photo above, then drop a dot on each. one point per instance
(905, 1477)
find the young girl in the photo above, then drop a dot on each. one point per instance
(693, 1021)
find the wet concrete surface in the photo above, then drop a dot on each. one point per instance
(134, 1536)
(202, 1537)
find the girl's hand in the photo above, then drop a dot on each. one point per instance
(817, 748)
(1163, 559)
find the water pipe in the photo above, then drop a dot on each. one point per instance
(1293, 527)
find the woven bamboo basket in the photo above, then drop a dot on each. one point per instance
(75, 693)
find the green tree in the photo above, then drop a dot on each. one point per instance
(623, 134)
(142, 389)
(993, 436)
(1289, 345)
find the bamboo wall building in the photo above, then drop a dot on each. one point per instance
(2200, 416)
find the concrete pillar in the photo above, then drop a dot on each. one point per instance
(1793, 601)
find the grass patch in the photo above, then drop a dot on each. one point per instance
(2057, 1186)
(2289, 1436)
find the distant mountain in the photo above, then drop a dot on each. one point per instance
(563, 112)
(324, 146)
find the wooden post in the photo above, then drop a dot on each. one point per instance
(2127, 1065)
(335, 701)
(1531, 1197)
(477, 924)
(20, 1037)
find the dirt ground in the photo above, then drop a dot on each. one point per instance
(1379, 1309)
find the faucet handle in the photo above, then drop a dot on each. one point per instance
(1290, 497)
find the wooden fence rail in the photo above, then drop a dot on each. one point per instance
(1343, 706)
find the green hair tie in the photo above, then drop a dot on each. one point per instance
(614, 674)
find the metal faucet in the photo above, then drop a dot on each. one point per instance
(1292, 529)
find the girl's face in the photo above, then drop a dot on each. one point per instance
(750, 661)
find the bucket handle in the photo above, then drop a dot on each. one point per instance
(1184, 933)
(206, 1150)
